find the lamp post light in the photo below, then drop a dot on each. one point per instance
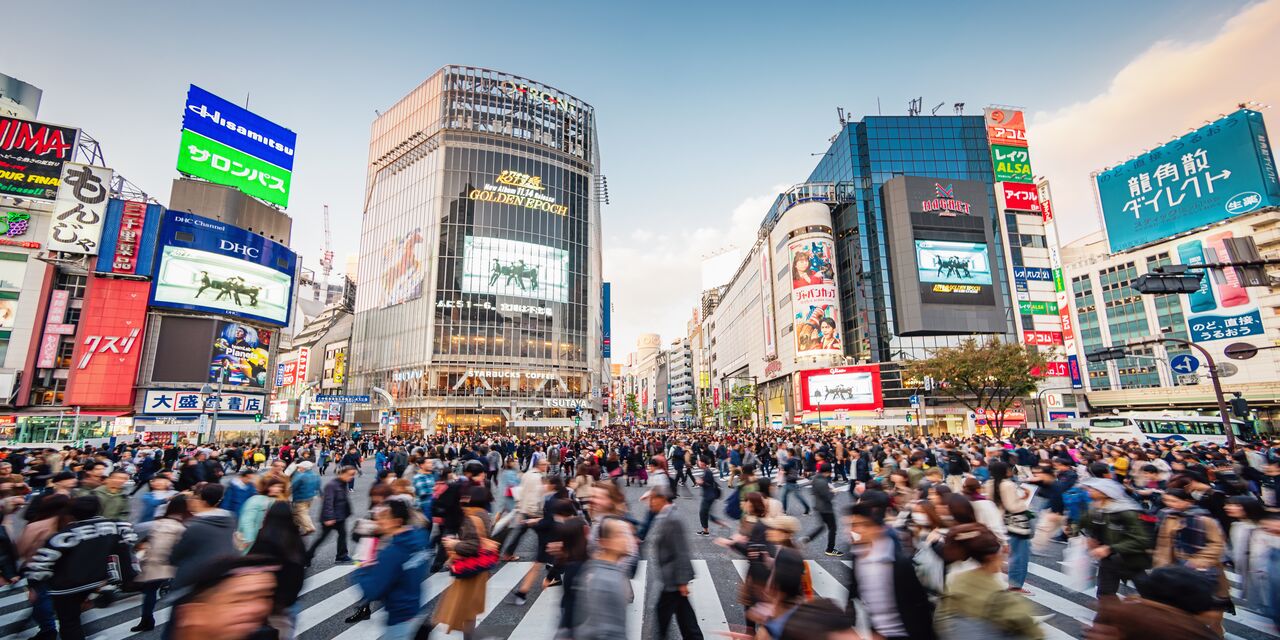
(206, 390)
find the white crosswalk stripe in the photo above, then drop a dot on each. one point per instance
(1064, 612)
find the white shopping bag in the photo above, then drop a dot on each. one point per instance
(1078, 566)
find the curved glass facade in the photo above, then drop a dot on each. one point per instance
(479, 278)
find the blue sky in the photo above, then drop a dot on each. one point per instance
(704, 108)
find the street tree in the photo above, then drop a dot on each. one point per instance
(633, 405)
(742, 403)
(988, 378)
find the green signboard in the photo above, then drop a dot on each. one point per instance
(1011, 164)
(1038, 307)
(1059, 284)
(216, 162)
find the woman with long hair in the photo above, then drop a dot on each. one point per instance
(163, 533)
(1014, 505)
(278, 538)
(270, 491)
(976, 602)
(464, 599)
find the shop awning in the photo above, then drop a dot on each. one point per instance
(71, 414)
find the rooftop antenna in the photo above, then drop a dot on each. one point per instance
(934, 111)
(878, 112)
(914, 106)
(959, 107)
(840, 116)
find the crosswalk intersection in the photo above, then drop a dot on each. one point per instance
(328, 597)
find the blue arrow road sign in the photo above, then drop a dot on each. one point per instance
(1184, 363)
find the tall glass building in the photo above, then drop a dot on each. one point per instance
(862, 158)
(479, 297)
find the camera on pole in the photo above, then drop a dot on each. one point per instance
(1105, 354)
(1169, 279)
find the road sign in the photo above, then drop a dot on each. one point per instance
(1184, 363)
(329, 397)
(915, 401)
(1053, 400)
(1226, 369)
(1240, 351)
(1188, 378)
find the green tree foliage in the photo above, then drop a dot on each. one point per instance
(985, 377)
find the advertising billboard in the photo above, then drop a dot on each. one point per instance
(953, 272)
(1220, 170)
(1219, 310)
(815, 305)
(178, 402)
(243, 352)
(32, 155)
(767, 306)
(1005, 126)
(80, 209)
(226, 144)
(1011, 164)
(606, 320)
(129, 232)
(1020, 196)
(849, 388)
(104, 364)
(499, 267)
(403, 269)
(211, 266)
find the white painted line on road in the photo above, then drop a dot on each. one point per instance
(706, 602)
(826, 585)
(499, 585)
(374, 626)
(542, 619)
(635, 610)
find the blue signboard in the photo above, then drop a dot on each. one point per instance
(1184, 363)
(1061, 415)
(238, 128)
(606, 301)
(140, 244)
(207, 265)
(1220, 170)
(329, 397)
(1211, 326)
(1033, 273)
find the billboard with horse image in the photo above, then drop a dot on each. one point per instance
(207, 265)
(494, 266)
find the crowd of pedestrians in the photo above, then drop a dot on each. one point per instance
(938, 531)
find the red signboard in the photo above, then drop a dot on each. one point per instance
(1052, 370)
(849, 388)
(104, 364)
(1042, 338)
(1006, 126)
(131, 220)
(1021, 197)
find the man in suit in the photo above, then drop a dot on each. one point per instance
(884, 579)
(670, 550)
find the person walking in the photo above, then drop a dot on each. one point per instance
(1189, 536)
(255, 510)
(279, 539)
(823, 498)
(306, 486)
(335, 508)
(210, 535)
(111, 495)
(604, 589)
(1117, 538)
(883, 577)
(1015, 509)
(528, 508)
(791, 477)
(976, 603)
(710, 493)
(397, 575)
(471, 554)
(157, 570)
(670, 552)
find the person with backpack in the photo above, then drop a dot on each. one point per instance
(791, 476)
(1117, 538)
(1188, 536)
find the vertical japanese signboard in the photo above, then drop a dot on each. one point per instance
(54, 329)
(1060, 287)
(1223, 169)
(1005, 126)
(105, 362)
(132, 219)
(79, 211)
(766, 301)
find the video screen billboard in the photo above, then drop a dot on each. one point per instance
(494, 266)
(243, 352)
(1220, 170)
(850, 388)
(31, 157)
(206, 265)
(953, 272)
(815, 305)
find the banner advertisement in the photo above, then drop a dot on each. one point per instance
(845, 388)
(1039, 274)
(79, 211)
(606, 320)
(1005, 126)
(339, 375)
(815, 301)
(403, 266)
(1020, 196)
(174, 402)
(1038, 307)
(239, 128)
(129, 233)
(1011, 164)
(242, 351)
(206, 265)
(1219, 310)
(493, 266)
(132, 218)
(104, 364)
(766, 303)
(1220, 170)
(216, 162)
(32, 155)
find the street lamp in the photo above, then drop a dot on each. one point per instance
(479, 393)
(217, 400)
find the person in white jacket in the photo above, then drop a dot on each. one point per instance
(1014, 504)
(529, 507)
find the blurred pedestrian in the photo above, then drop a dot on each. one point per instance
(157, 547)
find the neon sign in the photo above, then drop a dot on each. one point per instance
(945, 201)
(519, 189)
(537, 95)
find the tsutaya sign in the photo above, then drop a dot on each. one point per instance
(520, 189)
(945, 201)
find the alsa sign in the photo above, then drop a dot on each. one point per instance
(945, 202)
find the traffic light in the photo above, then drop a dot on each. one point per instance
(1239, 406)
(1105, 354)
(257, 417)
(1171, 279)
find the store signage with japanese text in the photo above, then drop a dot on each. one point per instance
(1011, 164)
(79, 211)
(54, 316)
(32, 155)
(1039, 274)
(173, 402)
(107, 353)
(1020, 196)
(1005, 126)
(1042, 338)
(131, 222)
(1038, 307)
(519, 189)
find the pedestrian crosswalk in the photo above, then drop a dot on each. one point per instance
(328, 597)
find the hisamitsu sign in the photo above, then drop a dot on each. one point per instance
(238, 128)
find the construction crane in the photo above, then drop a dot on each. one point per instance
(326, 258)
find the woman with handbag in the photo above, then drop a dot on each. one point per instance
(471, 555)
(1015, 506)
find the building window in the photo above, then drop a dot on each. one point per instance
(73, 283)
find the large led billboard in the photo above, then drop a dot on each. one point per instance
(242, 351)
(403, 269)
(1220, 170)
(206, 265)
(850, 388)
(226, 144)
(953, 272)
(493, 266)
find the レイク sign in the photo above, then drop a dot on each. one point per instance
(1011, 164)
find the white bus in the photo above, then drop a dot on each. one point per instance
(1154, 426)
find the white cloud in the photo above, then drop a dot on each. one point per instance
(1169, 88)
(656, 274)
